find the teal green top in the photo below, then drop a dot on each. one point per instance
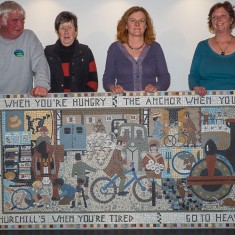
(212, 70)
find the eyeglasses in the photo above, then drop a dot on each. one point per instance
(135, 21)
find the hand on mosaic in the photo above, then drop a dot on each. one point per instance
(150, 89)
(117, 89)
(39, 91)
(200, 90)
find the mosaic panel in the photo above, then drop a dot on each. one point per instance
(137, 160)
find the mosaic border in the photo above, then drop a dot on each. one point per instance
(127, 100)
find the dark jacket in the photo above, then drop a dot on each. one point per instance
(82, 69)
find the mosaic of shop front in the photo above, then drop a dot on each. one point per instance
(118, 160)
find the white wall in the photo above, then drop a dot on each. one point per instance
(179, 26)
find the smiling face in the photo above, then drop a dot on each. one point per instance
(136, 24)
(67, 33)
(221, 21)
(13, 27)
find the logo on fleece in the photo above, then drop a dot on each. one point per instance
(18, 53)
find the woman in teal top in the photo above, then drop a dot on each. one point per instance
(213, 65)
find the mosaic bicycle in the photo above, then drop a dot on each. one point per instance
(104, 189)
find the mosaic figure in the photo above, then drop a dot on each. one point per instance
(190, 128)
(116, 164)
(41, 122)
(45, 161)
(33, 196)
(80, 169)
(7, 183)
(156, 133)
(67, 192)
(153, 164)
(99, 127)
(30, 124)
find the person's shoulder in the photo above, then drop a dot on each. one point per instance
(115, 44)
(29, 37)
(203, 46)
(49, 48)
(83, 47)
(203, 43)
(155, 45)
(28, 33)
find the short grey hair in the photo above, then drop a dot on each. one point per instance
(10, 6)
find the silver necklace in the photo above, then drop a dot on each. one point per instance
(223, 51)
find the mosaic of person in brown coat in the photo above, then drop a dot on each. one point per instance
(190, 128)
(117, 163)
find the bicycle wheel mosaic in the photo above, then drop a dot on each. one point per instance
(136, 160)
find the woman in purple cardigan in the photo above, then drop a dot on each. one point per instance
(135, 62)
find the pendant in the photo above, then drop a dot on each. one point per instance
(222, 53)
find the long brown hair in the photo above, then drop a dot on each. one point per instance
(122, 32)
